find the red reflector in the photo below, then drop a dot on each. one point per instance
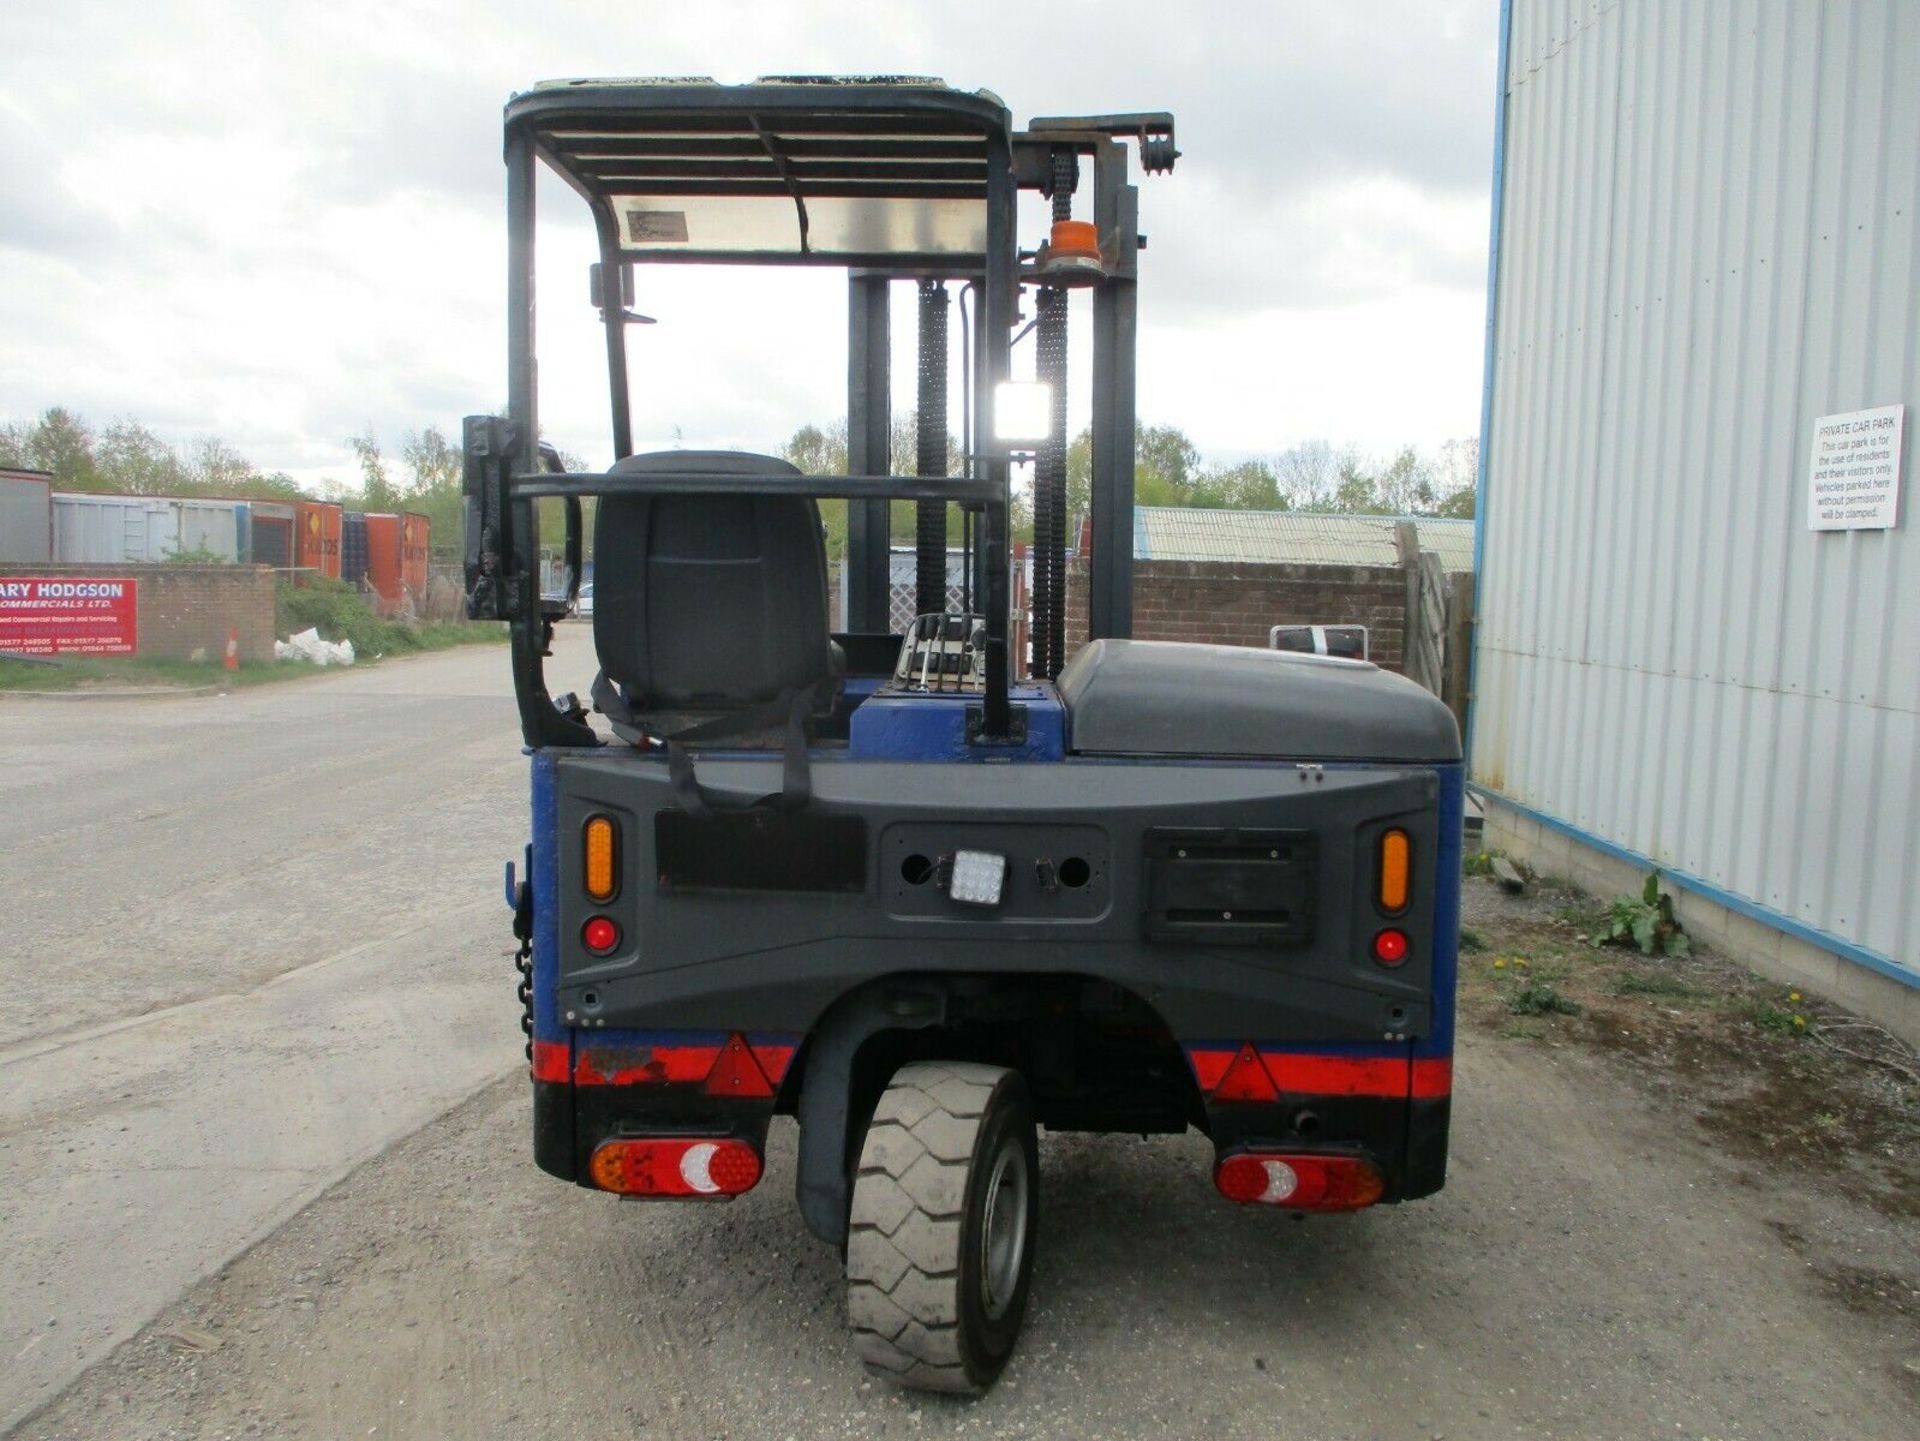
(1300, 1183)
(1246, 1079)
(600, 935)
(676, 1168)
(1390, 947)
(736, 1073)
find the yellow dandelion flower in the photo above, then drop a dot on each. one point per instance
(1793, 996)
(1499, 963)
(1520, 961)
(1800, 1021)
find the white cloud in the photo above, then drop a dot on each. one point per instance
(282, 224)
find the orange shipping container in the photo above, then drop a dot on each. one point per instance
(383, 558)
(414, 530)
(319, 538)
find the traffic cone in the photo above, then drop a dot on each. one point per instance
(233, 647)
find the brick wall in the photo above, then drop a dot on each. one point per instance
(1230, 603)
(184, 608)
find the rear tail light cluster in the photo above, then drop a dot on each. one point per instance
(676, 1167)
(600, 848)
(600, 878)
(1394, 886)
(1392, 893)
(1390, 947)
(1299, 1183)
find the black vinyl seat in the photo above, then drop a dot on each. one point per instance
(710, 605)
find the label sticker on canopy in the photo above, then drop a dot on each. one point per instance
(68, 615)
(657, 227)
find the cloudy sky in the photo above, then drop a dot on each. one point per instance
(282, 224)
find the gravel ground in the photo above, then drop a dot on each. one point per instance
(1606, 1261)
(253, 939)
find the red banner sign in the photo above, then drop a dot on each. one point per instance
(68, 615)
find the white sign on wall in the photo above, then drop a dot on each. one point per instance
(1853, 482)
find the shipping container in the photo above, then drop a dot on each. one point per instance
(317, 546)
(117, 529)
(26, 517)
(414, 530)
(353, 546)
(383, 559)
(271, 533)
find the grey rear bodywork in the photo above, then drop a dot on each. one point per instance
(1165, 847)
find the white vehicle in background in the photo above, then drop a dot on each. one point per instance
(583, 607)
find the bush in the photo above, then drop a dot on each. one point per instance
(1647, 922)
(1541, 998)
(340, 612)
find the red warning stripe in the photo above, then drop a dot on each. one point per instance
(550, 1061)
(631, 1065)
(1432, 1077)
(1225, 1075)
(1338, 1075)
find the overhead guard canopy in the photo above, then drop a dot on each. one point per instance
(858, 170)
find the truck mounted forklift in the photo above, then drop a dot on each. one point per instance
(917, 890)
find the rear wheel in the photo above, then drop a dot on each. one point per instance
(940, 1245)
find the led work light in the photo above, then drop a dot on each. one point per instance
(977, 877)
(1022, 411)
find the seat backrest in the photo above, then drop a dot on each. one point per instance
(709, 602)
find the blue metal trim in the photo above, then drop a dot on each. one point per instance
(640, 1036)
(624, 1036)
(1719, 895)
(1497, 208)
(1141, 549)
(903, 726)
(544, 876)
(1358, 1050)
(1446, 913)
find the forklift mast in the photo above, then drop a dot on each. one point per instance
(891, 180)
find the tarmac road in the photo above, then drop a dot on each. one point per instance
(308, 1168)
(252, 940)
(1588, 1272)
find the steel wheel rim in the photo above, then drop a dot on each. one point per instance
(1003, 1229)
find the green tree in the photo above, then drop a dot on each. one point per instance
(817, 451)
(219, 469)
(1456, 472)
(434, 463)
(61, 443)
(1165, 466)
(1250, 485)
(133, 459)
(377, 490)
(1308, 475)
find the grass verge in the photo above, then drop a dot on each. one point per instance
(338, 611)
(84, 673)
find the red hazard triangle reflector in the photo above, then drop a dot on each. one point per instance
(736, 1073)
(1246, 1079)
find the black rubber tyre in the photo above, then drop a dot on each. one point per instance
(941, 1241)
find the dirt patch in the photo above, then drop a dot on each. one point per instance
(1773, 1075)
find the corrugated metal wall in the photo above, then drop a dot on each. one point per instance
(1707, 240)
(26, 519)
